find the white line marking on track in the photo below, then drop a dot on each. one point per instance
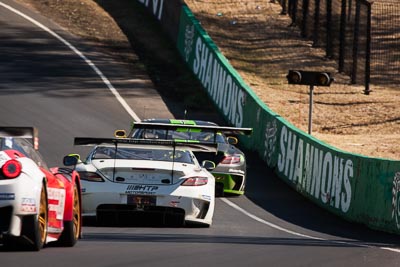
(82, 56)
(136, 118)
(277, 227)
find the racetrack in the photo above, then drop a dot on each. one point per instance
(46, 84)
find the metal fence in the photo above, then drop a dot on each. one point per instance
(363, 37)
(385, 43)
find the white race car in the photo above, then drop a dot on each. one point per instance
(127, 180)
(37, 204)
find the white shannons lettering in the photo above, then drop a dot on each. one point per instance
(298, 167)
(220, 85)
(316, 173)
(157, 7)
(326, 175)
(321, 174)
(346, 196)
(282, 154)
(196, 62)
(290, 153)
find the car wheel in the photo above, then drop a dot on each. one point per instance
(72, 229)
(34, 227)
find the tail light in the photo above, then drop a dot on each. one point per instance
(91, 177)
(195, 181)
(11, 169)
(231, 159)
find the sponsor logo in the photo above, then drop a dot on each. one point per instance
(56, 201)
(206, 197)
(28, 205)
(141, 189)
(270, 141)
(396, 199)
(7, 196)
(322, 175)
(189, 35)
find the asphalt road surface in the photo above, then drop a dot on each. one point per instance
(53, 81)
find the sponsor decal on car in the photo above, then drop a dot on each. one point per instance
(28, 205)
(141, 189)
(206, 197)
(56, 201)
(7, 196)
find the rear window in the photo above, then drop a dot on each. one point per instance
(178, 155)
(176, 135)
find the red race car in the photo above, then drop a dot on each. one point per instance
(38, 204)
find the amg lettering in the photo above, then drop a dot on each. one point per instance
(147, 188)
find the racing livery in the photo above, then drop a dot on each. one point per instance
(230, 172)
(125, 180)
(37, 204)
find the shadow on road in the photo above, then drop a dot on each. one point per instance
(267, 191)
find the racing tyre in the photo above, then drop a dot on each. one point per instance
(34, 227)
(72, 229)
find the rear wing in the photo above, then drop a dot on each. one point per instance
(197, 146)
(191, 128)
(31, 133)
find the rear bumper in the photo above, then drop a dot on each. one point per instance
(230, 183)
(18, 198)
(114, 207)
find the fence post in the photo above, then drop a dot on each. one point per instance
(305, 18)
(284, 11)
(316, 23)
(293, 11)
(368, 54)
(343, 26)
(355, 43)
(329, 53)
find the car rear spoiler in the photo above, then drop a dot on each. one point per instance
(192, 128)
(193, 146)
(31, 133)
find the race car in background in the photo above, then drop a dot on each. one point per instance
(230, 172)
(38, 204)
(125, 181)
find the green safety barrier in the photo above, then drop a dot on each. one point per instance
(357, 188)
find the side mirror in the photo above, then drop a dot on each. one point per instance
(71, 160)
(120, 134)
(208, 165)
(232, 140)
